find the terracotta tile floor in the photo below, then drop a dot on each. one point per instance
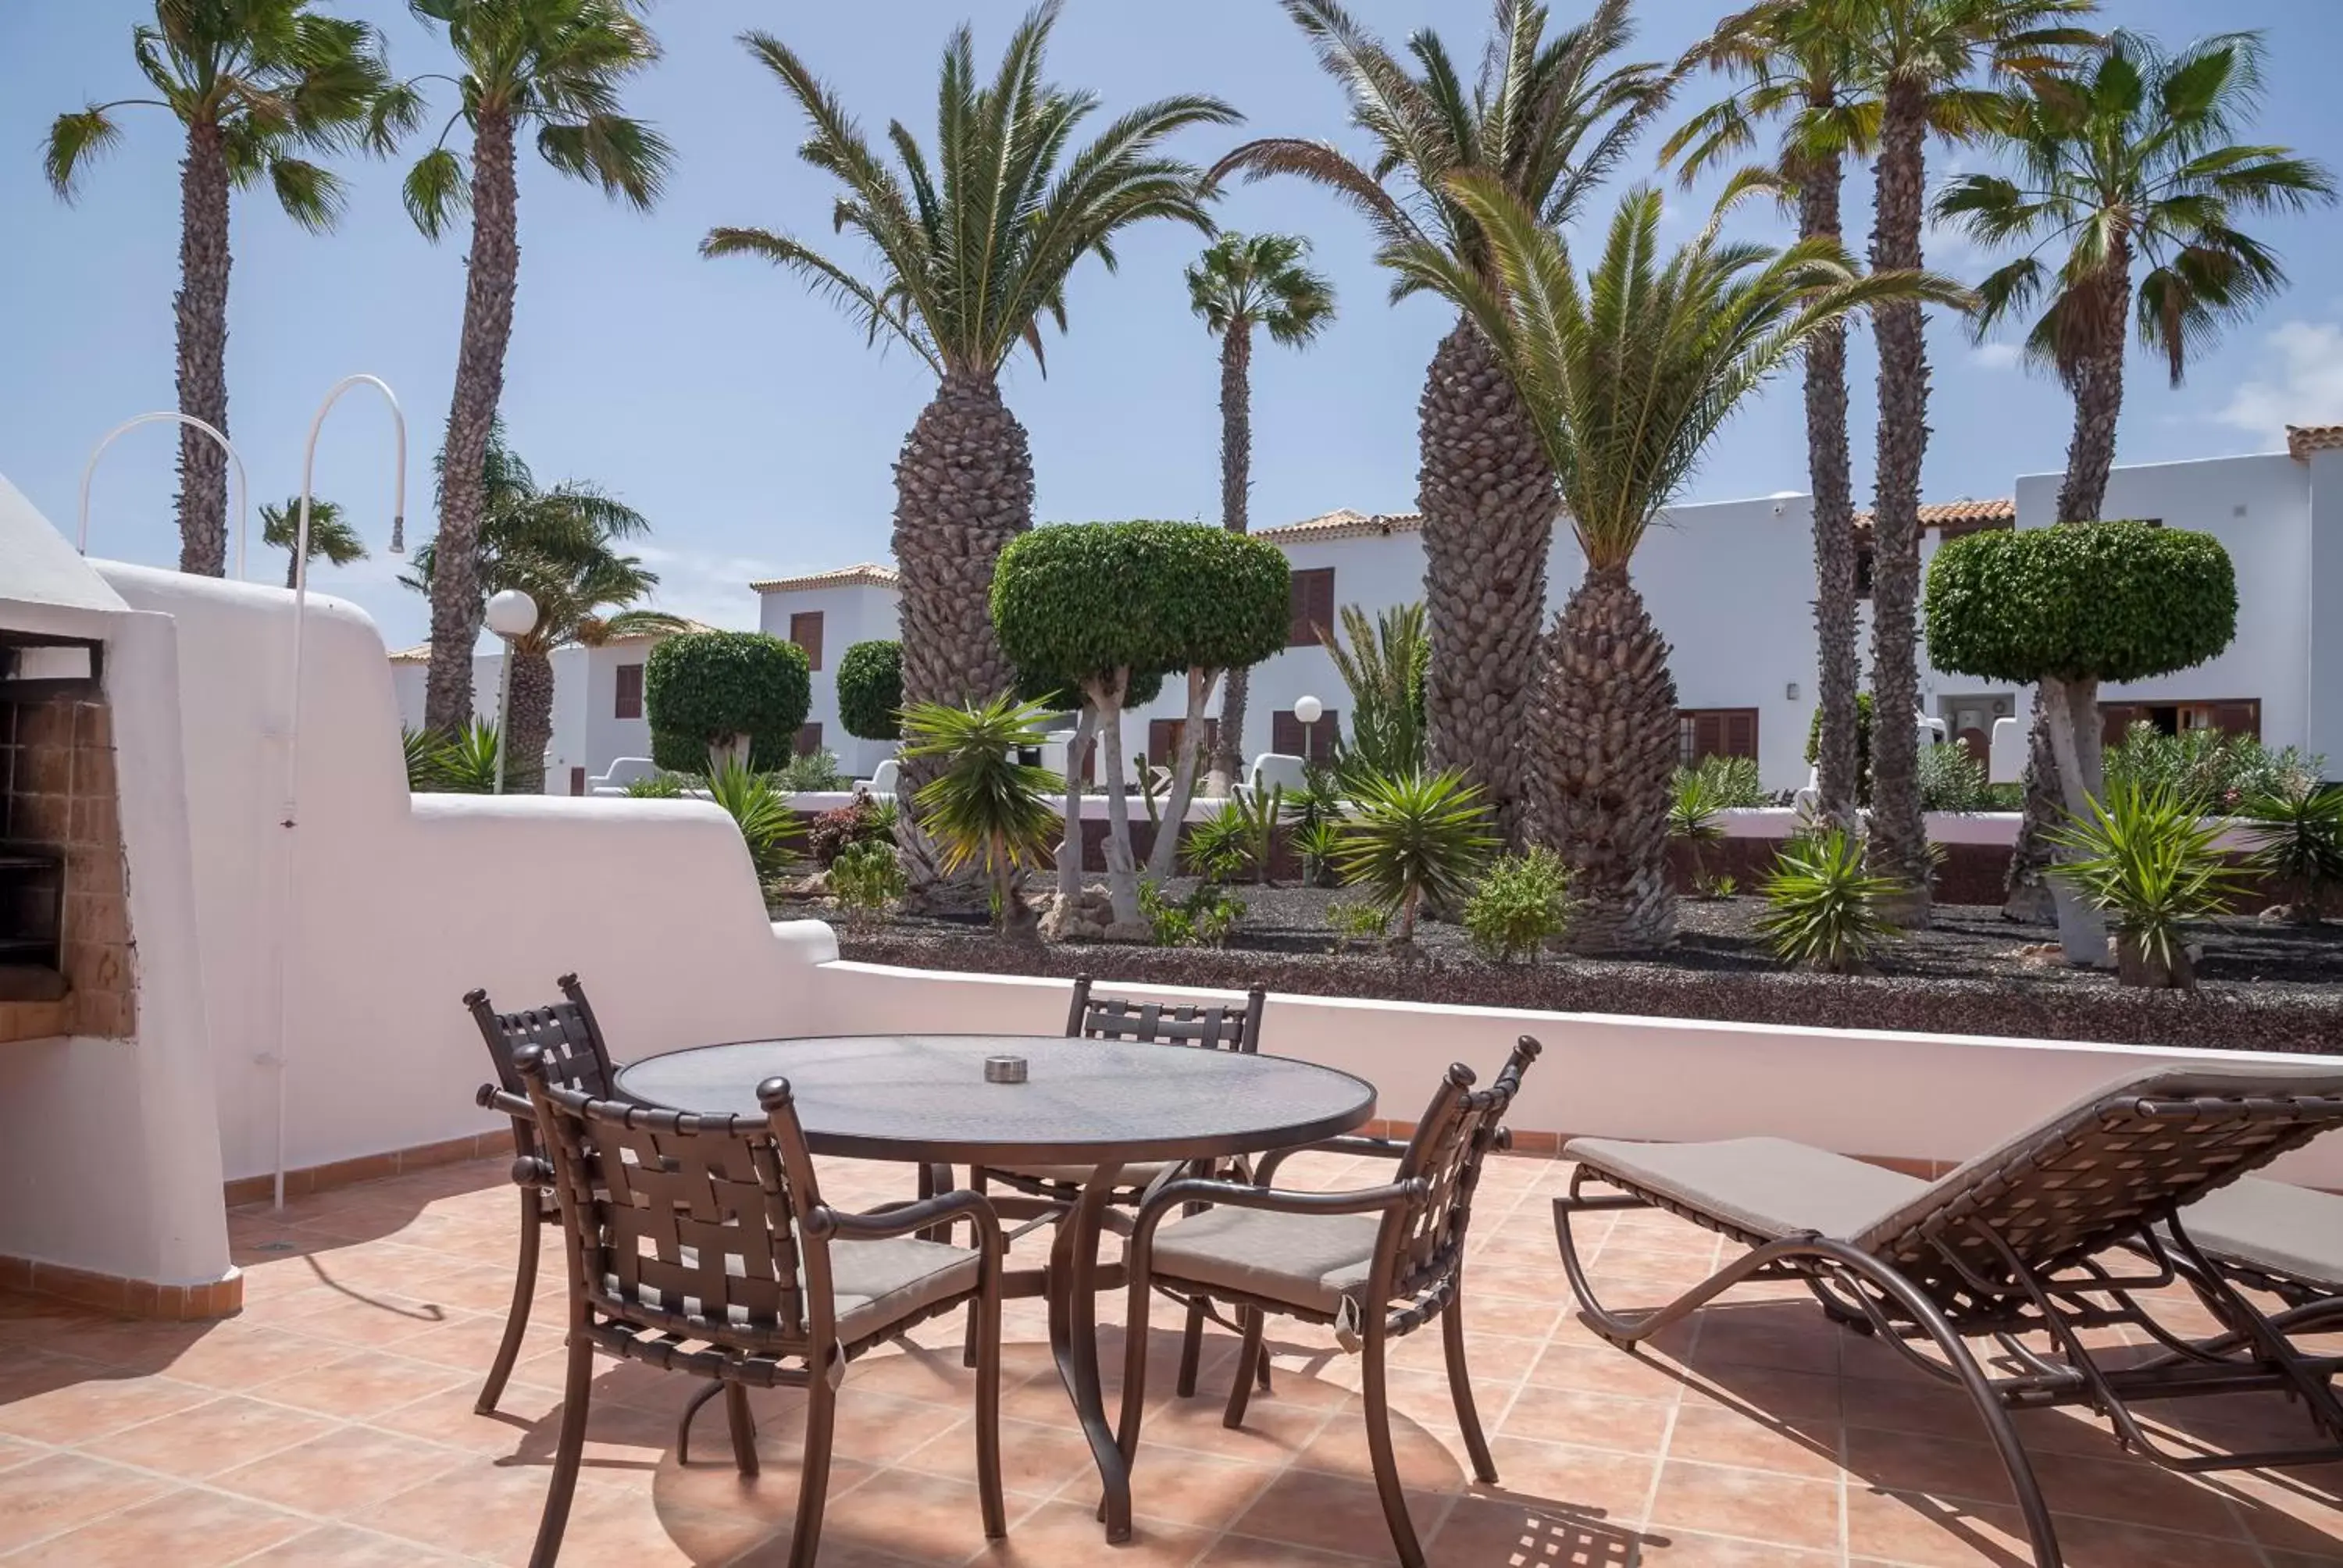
(332, 1423)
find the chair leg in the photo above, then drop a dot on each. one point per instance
(813, 1475)
(969, 1339)
(743, 1425)
(1460, 1389)
(1379, 1450)
(1249, 1359)
(517, 1319)
(987, 1310)
(1191, 1348)
(568, 1449)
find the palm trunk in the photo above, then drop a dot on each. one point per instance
(963, 488)
(1163, 859)
(292, 569)
(2098, 387)
(1070, 848)
(492, 272)
(1602, 730)
(528, 721)
(1837, 678)
(1236, 481)
(1899, 835)
(200, 313)
(1488, 500)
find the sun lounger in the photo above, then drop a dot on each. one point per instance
(2010, 1247)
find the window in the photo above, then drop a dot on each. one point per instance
(809, 739)
(1705, 732)
(805, 630)
(2240, 717)
(1289, 736)
(631, 691)
(1163, 739)
(1309, 604)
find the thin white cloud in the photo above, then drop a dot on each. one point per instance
(2300, 381)
(1996, 356)
(705, 586)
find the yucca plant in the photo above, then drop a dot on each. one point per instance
(2297, 838)
(422, 749)
(1214, 849)
(759, 807)
(1695, 813)
(1415, 835)
(983, 807)
(468, 764)
(1823, 906)
(2149, 862)
(1318, 843)
(1384, 667)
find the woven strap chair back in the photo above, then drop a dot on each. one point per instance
(1457, 1130)
(683, 1222)
(564, 1032)
(1216, 1025)
(2099, 1173)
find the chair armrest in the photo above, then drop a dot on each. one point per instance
(1241, 1195)
(1349, 1143)
(901, 1219)
(488, 1097)
(529, 1170)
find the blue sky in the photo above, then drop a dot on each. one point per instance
(752, 425)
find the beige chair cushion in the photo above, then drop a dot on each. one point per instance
(1309, 1260)
(2273, 1226)
(1765, 1187)
(874, 1283)
(1137, 1175)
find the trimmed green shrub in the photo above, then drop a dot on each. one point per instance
(1950, 780)
(870, 690)
(1521, 904)
(1822, 906)
(810, 772)
(2103, 601)
(704, 688)
(2147, 860)
(2210, 773)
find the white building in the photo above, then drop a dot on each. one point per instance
(826, 614)
(597, 703)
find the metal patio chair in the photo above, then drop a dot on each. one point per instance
(700, 1245)
(1374, 1265)
(2008, 1248)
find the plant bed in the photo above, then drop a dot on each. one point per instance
(2266, 986)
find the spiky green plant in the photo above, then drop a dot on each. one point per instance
(983, 807)
(1823, 906)
(1383, 665)
(2297, 837)
(2151, 863)
(422, 749)
(1414, 836)
(759, 807)
(1216, 847)
(468, 764)
(1696, 813)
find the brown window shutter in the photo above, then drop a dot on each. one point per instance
(1321, 602)
(1324, 734)
(1310, 604)
(1160, 736)
(1285, 733)
(1741, 734)
(1708, 734)
(805, 630)
(2115, 717)
(809, 739)
(2240, 718)
(630, 692)
(577, 780)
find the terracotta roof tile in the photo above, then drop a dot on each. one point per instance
(419, 654)
(2301, 440)
(1344, 524)
(867, 574)
(2001, 510)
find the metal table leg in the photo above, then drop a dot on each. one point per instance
(1073, 1339)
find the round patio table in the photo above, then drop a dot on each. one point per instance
(1106, 1105)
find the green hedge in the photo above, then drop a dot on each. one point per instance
(705, 685)
(2109, 602)
(870, 690)
(1072, 600)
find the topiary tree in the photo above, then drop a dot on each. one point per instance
(870, 690)
(735, 693)
(2065, 608)
(1095, 605)
(1862, 790)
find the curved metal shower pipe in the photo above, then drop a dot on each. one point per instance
(243, 484)
(292, 815)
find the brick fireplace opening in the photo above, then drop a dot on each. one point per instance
(67, 962)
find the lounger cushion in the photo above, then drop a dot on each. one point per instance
(874, 1283)
(2273, 1226)
(1766, 1187)
(1308, 1261)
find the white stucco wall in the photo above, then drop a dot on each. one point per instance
(400, 904)
(851, 613)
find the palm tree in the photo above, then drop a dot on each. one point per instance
(1920, 58)
(557, 545)
(254, 84)
(1549, 117)
(1796, 68)
(1627, 374)
(1241, 282)
(973, 245)
(2135, 159)
(557, 65)
(330, 535)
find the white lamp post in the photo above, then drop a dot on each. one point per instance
(512, 614)
(1307, 711)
